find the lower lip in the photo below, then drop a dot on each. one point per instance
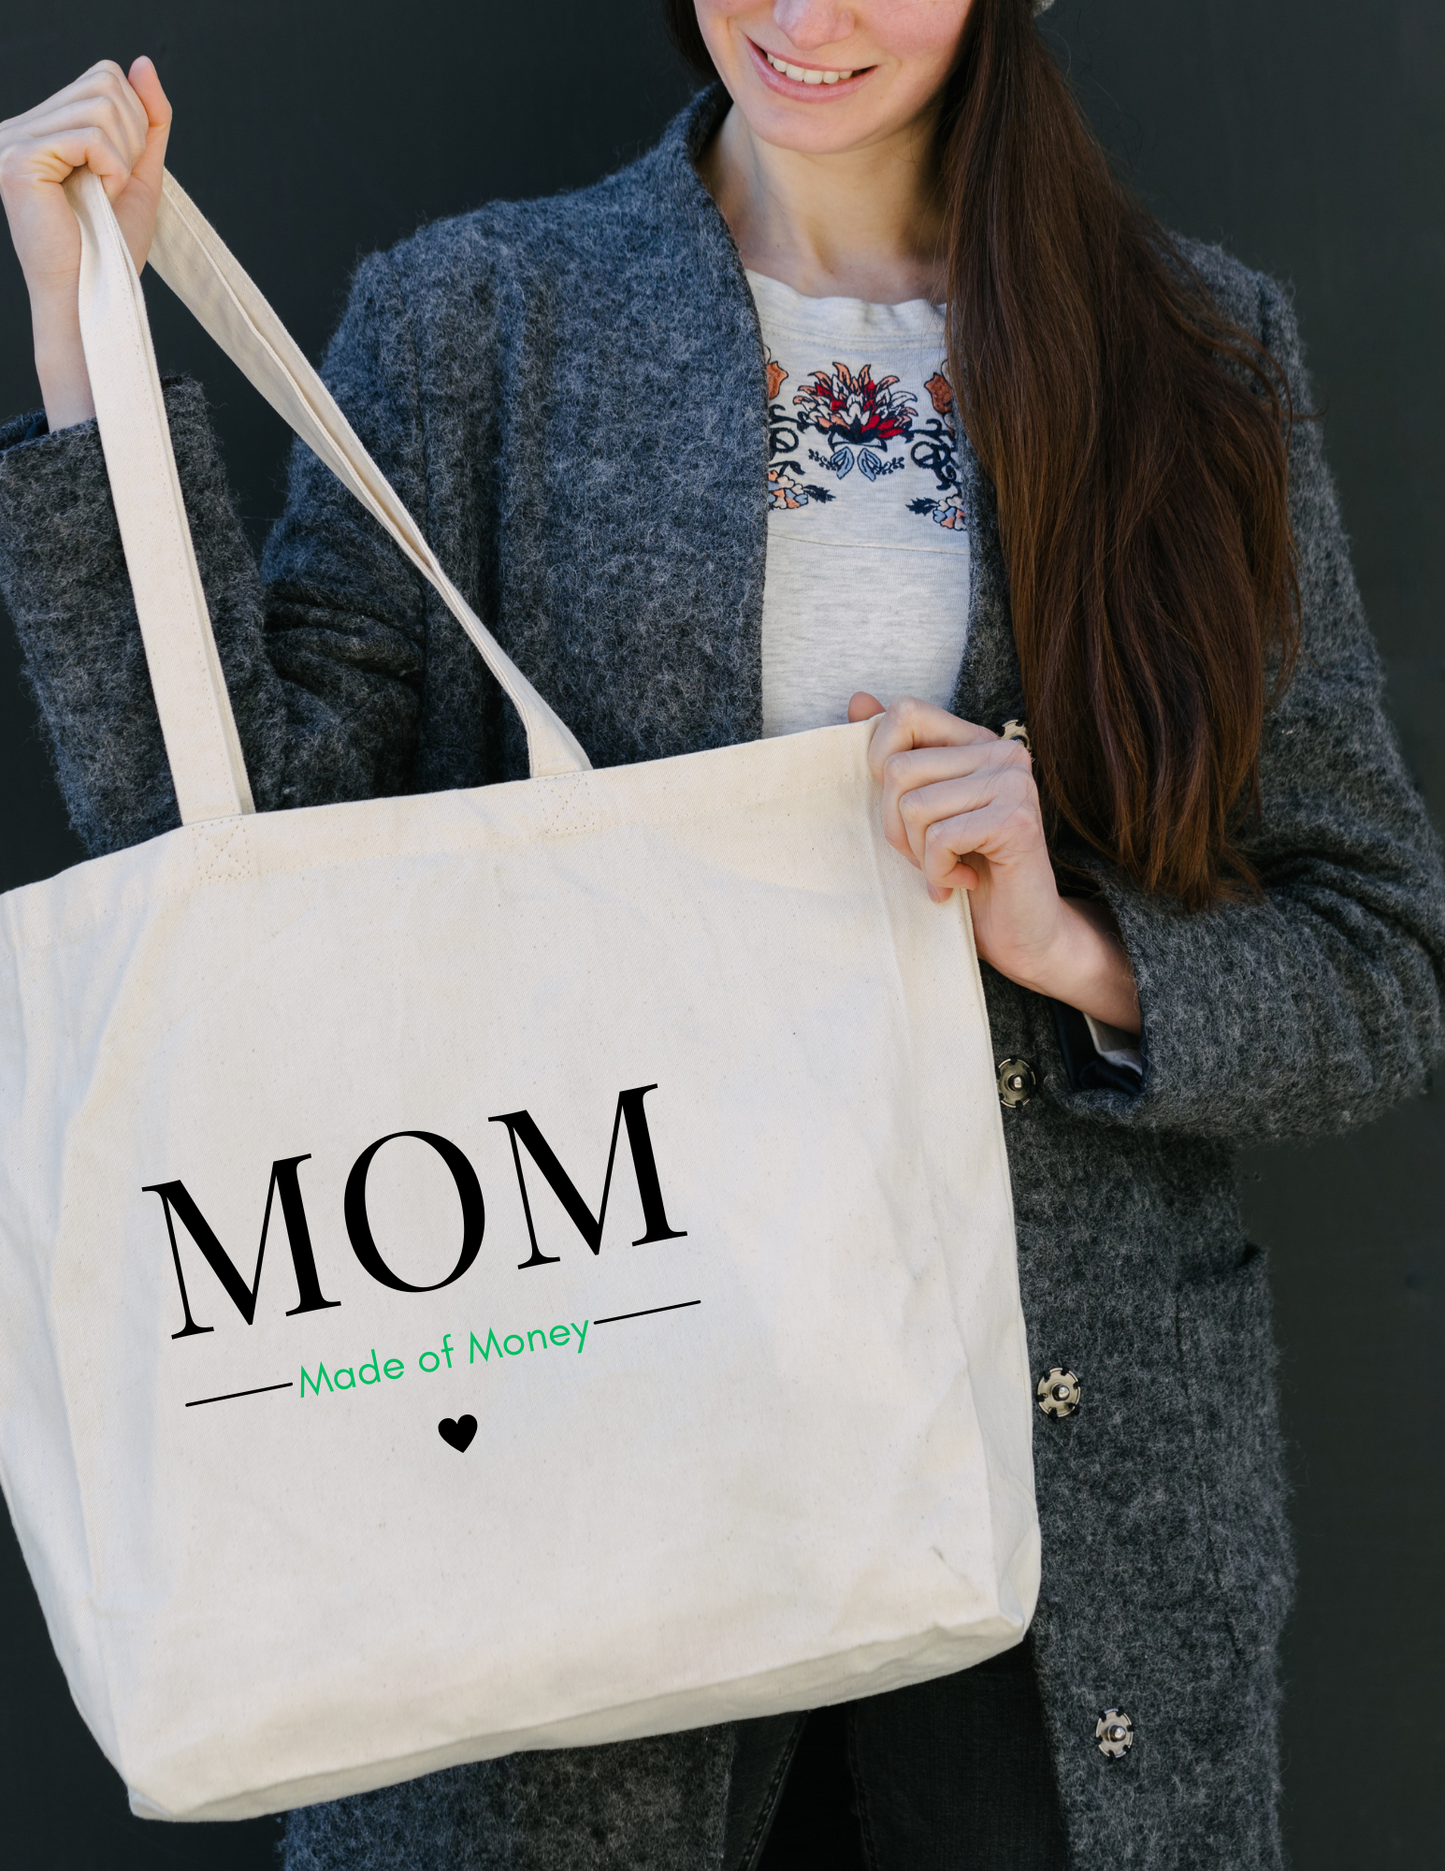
(802, 93)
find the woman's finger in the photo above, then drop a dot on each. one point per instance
(907, 814)
(920, 780)
(909, 723)
(136, 209)
(53, 159)
(144, 85)
(102, 68)
(102, 90)
(90, 113)
(920, 766)
(952, 801)
(983, 833)
(123, 94)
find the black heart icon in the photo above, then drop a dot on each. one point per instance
(458, 1431)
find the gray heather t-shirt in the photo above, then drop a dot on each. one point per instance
(868, 546)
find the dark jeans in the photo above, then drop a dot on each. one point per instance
(953, 1775)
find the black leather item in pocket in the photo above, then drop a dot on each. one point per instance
(1227, 1354)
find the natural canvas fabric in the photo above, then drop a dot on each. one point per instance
(492, 1269)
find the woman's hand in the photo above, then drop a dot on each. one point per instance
(117, 125)
(961, 805)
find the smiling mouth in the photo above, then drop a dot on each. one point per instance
(809, 75)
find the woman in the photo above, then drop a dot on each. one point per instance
(701, 449)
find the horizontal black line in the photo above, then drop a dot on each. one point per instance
(288, 1385)
(646, 1312)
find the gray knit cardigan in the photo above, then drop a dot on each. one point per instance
(569, 394)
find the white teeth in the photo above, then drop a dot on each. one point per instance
(801, 74)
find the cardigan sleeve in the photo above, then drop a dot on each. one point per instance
(323, 659)
(1317, 1007)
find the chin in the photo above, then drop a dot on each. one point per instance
(790, 129)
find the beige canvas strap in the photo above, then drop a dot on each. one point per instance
(190, 691)
(196, 720)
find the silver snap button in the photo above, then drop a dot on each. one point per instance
(1059, 1392)
(1114, 1733)
(1017, 1082)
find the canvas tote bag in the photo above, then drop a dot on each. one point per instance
(500, 1269)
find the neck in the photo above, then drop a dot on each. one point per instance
(858, 224)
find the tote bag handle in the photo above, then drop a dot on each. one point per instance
(190, 690)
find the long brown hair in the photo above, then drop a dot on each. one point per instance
(1137, 440)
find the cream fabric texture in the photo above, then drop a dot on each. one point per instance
(733, 1419)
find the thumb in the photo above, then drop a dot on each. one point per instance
(145, 81)
(864, 706)
(137, 205)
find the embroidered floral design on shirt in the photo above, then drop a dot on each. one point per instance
(949, 512)
(935, 449)
(859, 419)
(872, 465)
(787, 490)
(851, 411)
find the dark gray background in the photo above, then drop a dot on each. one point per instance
(1309, 135)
